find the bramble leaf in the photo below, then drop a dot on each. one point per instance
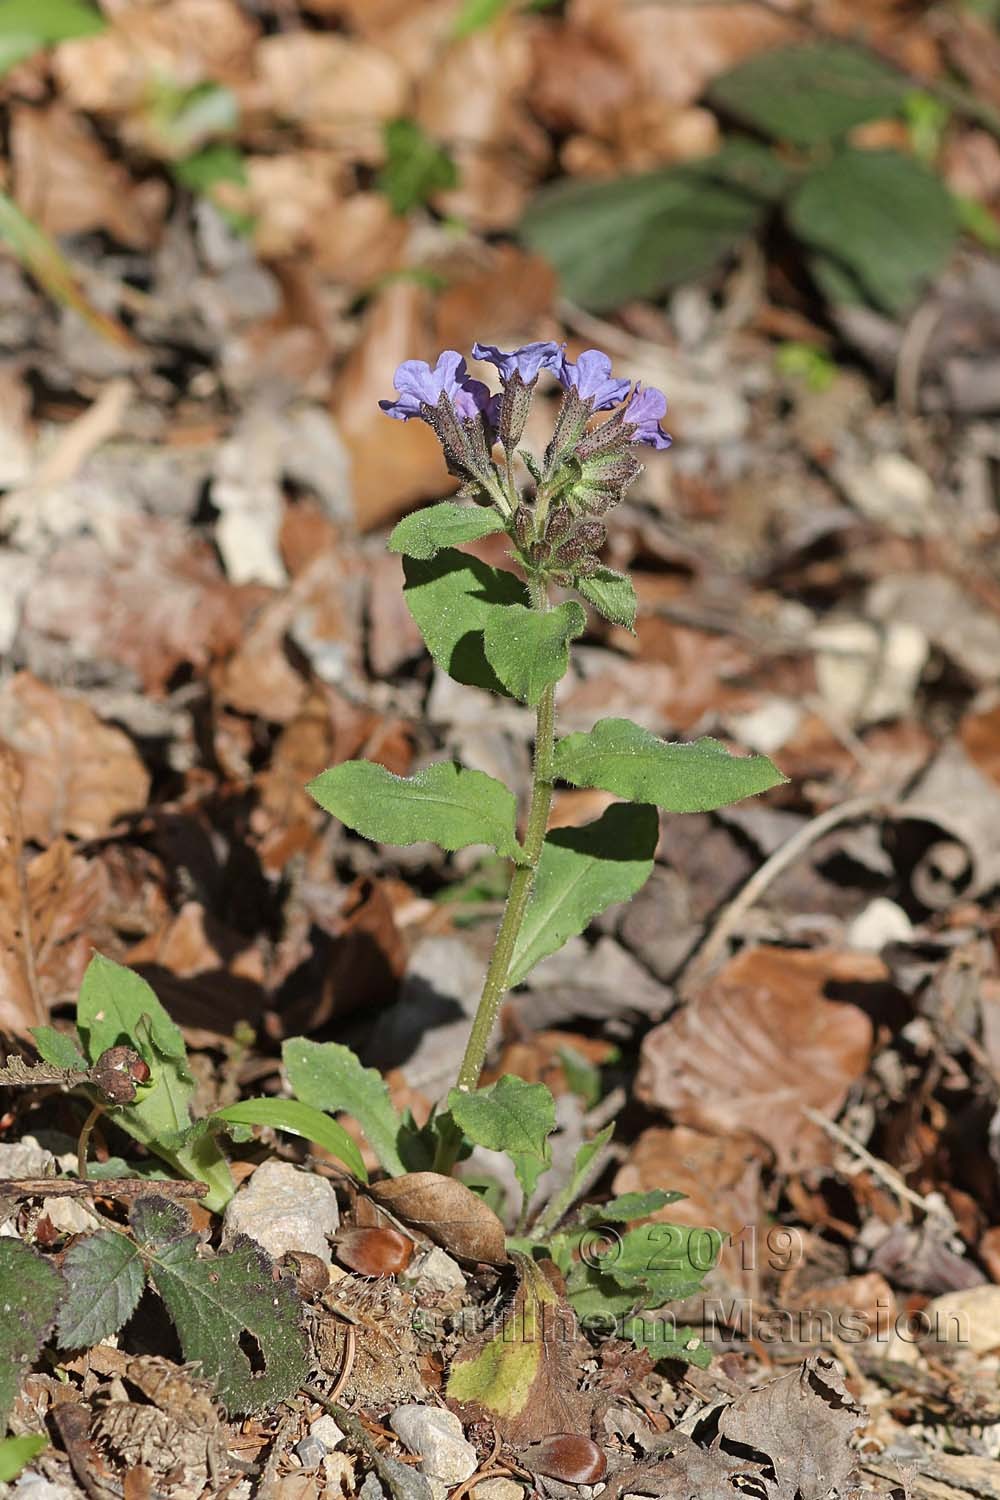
(330, 1077)
(582, 871)
(443, 803)
(528, 649)
(452, 597)
(30, 1292)
(296, 1118)
(425, 532)
(623, 758)
(105, 1277)
(224, 1305)
(611, 594)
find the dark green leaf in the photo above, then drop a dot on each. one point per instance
(452, 597)
(663, 1340)
(882, 218)
(510, 1115)
(17, 1452)
(105, 1277)
(425, 532)
(629, 1206)
(810, 94)
(623, 758)
(528, 649)
(611, 594)
(329, 1077)
(58, 1049)
(415, 168)
(582, 871)
(443, 803)
(299, 1119)
(30, 1292)
(637, 236)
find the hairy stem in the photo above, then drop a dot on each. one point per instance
(518, 896)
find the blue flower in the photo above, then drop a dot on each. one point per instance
(527, 361)
(417, 386)
(592, 380)
(643, 413)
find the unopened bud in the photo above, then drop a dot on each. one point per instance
(559, 525)
(570, 552)
(523, 527)
(514, 407)
(593, 533)
(587, 566)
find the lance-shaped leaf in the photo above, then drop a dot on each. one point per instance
(444, 803)
(297, 1119)
(581, 872)
(623, 758)
(452, 597)
(17, 1453)
(511, 1116)
(424, 533)
(30, 1292)
(611, 594)
(528, 649)
(105, 1277)
(329, 1077)
(524, 1372)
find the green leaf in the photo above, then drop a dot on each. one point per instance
(105, 1277)
(636, 236)
(611, 594)
(810, 94)
(425, 532)
(17, 1452)
(510, 1115)
(623, 758)
(452, 597)
(475, 15)
(629, 1206)
(50, 20)
(662, 1340)
(582, 871)
(664, 1262)
(299, 1119)
(212, 167)
(577, 1184)
(30, 1292)
(443, 802)
(415, 168)
(58, 1049)
(330, 1077)
(223, 1305)
(528, 649)
(880, 220)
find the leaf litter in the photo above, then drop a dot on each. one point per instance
(198, 620)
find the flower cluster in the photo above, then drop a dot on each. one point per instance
(586, 468)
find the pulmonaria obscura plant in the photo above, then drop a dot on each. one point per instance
(492, 629)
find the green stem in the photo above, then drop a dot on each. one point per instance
(518, 896)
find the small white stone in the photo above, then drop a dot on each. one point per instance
(437, 1267)
(881, 922)
(284, 1209)
(326, 1429)
(498, 1488)
(437, 1436)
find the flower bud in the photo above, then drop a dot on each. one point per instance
(523, 527)
(569, 554)
(514, 407)
(587, 566)
(593, 533)
(559, 524)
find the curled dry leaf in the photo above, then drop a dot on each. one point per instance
(448, 1212)
(718, 1175)
(79, 774)
(337, 89)
(761, 1043)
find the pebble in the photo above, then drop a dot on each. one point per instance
(284, 1209)
(497, 1488)
(881, 922)
(326, 1430)
(437, 1269)
(437, 1436)
(310, 1452)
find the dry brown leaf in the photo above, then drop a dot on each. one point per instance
(337, 89)
(20, 996)
(448, 1212)
(719, 1176)
(289, 194)
(760, 1044)
(980, 736)
(155, 601)
(68, 184)
(501, 298)
(80, 775)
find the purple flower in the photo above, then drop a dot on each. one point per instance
(527, 361)
(643, 413)
(592, 379)
(417, 385)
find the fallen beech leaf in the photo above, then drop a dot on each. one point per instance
(568, 1456)
(448, 1212)
(980, 736)
(336, 88)
(20, 1001)
(718, 1175)
(513, 292)
(80, 775)
(760, 1044)
(523, 1372)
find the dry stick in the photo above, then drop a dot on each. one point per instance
(880, 1169)
(95, 1187)
(769, 871)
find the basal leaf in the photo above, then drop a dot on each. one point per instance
(630, 1206)
(582, 871)
(667, 1261)
(528, 649)
(511, 1116)
(30, 1292)
(330, 1077)
(50, 20)
(232, 1313)
(299, 1119)
(423, 533)
(416, 167)
(443, 803)
(452, 597)
(662, 1339)
(105, 1276)
(578, 1181)
(881, 219)
(623, 758)
(611, 594)
(17, 1452)
(810, 94)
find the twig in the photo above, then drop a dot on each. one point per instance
(880, 1169)
(768, 872)
(16, 1073)
(350, 1347)
(95, 1187)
